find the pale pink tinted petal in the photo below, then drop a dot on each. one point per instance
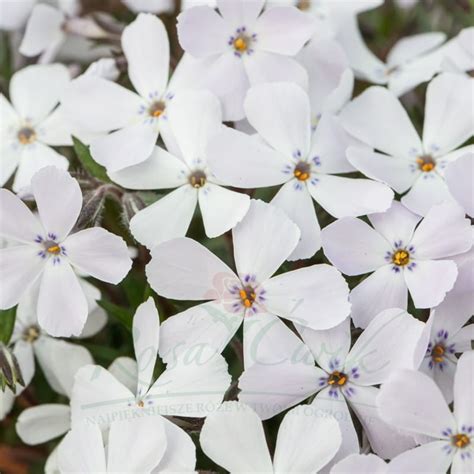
(464, 390)
(459, 177)
(391, 291)
(367, 116)
(360, 464)
(353, 246)
(283, 30)
(411, 401)
(202, 32)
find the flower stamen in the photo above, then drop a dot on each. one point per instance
(52, 247)
(156, 109)
(438, 352)
(302, 171)
(401, 258)
(426, 163)
(338, 378)
(248, 296)
(461, 440)
(26, 135)
(197, 179)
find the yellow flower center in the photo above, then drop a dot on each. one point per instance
(197, 179)
(140, 404)
(302, 171)
(426, 163)
(401, 258)
(437, 354)
(156, 109)
(26, 135)
(52, 247)
(241, 44)
(31, 334)
(461, 440)
(337, 378)
(247, 295)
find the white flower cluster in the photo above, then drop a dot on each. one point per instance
(262, 97)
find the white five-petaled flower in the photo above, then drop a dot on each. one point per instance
(413, 402)
(33, 124)
(403, 160)
(345, 376)
(46, 250)
(194, 117)
(289, 151)
(242, 47)
(134, 120)
(184, 269)
(233, 437)
(135, 445)
(190, 387)
(29, 340)
(404, 254)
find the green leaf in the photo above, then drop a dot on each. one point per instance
(7, 322)
(91, 166)
(121, 314)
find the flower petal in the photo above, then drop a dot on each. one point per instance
(58, 216)
(427, 191)
(125, 370)
(283, 30)
(35, 90)
(243, 161)
(343, 197)
(18, 223)
(199, 382)
(325, 405)
(430, 457)
(263, 240)
(166, 219)
(33, 159)
(463, 390)
(82, 450)
(210, 324)
(43, 423)
(148, 61)
(385, 440)
(62, 305)
(43, 29)
(391, 291)
(353, 246)
(280, 114)
(459, 180)
(306, 442)
(328, 345)
(411, 401)
(20, 266)
(240, 12)
(99, 253)
(294, 295)
(221, 209)
(202, 32)
(448, 119)
(397, 224)
(444, 232)
(270, 390)
(10, 159)
(429, 282)
(146, 334)
(184, 269)
(146, 454)
(297, 203)
(233, 437)
(128, 146)
(388, 343)
(161, 170)
(97, 105)
(367, 116)
(394, 171)
(360, 464)
(194, 117)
